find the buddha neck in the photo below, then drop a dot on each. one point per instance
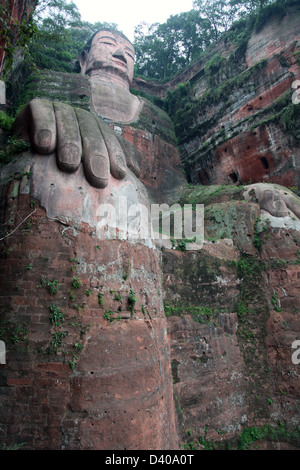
(110, 78)
(112, 100)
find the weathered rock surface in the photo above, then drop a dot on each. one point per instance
(232, 313)
(151, 133)
(88, 362)
(93, 324)
(18, 10)
(113, 344)
(240, 125)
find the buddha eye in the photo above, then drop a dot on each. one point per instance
(107, 41)
(130, 55)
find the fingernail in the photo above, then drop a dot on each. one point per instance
(69, 157)
(44, 138)
(118, 170)
(98, 171)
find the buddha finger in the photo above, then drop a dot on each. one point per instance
(132, 156)
(36, 123)
(116, 154)
(43, 126)
(96, 159)
(69, 148)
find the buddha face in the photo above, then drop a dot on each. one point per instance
(110, 53)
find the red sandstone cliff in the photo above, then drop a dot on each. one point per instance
(12, 12)
(236, 122)
(95, 360)
(251, 144)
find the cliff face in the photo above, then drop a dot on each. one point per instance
(232, 313)
(14, 12)
(117, 344)
(85, 333)
(88, 360)
(239, 125)
(232, 307)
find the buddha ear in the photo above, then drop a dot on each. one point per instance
(82, 61)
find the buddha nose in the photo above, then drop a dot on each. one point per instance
(119, 54)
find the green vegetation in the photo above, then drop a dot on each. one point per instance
(249, 268)
(144, 312)
(100, 298)
(247, 439)
(153, 99)
(56, 341)
(13, 446)
(73, 262)
(112, 316)
(73, 362)
(297, 56)
(260, 229)
(15, 35)
(184, 109)
(127, 271)
(76, 282)
(60, 35)
(256, 239)
(282, 112)
(118, 296)
(12, 147)
(212, 67)
(57, 316)
(162, 50)
(62, 326)
(15, 333)
(108, 315)
(253, 434)
(275, 302)
(131, 300)
(6, 121)
(180, 244)
(52, 286)
(200, 314)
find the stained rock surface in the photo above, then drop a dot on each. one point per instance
(114, 343)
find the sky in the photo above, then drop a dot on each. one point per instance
(129, 13)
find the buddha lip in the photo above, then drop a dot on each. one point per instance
(120, 62)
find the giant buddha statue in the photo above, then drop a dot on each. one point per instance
(119, 393)
(100, 148)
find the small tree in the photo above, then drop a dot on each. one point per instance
(61, 35)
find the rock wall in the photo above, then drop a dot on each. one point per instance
(87, 363)
(115, 344)
(236, 122)
(14, 11)
(152, 133)
(82, 316)
(232, 312)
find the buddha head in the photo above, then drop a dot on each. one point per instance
(109, 55)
